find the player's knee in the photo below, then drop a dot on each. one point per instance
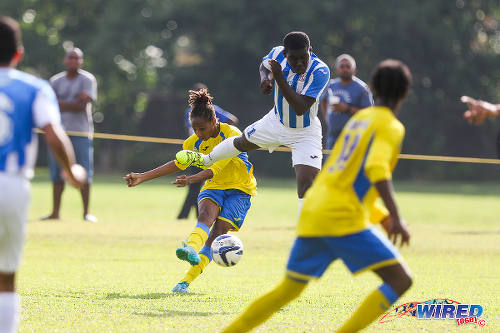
(205, 217)
(242, 144)
(221, 229)
(407, 282)
(303, 185)
(402, 282)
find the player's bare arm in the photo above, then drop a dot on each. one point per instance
(397, 227)
(74, 105)
(344, 107)
(184, 180)
(323, 107)
(135, 178)
(299, 103)
(266, 84)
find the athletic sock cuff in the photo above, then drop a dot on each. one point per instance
(389, 293)
(203, 227)
(206, 251)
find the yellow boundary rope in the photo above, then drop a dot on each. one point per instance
(325, 151)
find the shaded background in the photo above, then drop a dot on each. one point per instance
(147, 54)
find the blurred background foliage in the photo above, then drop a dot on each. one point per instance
(146, 55)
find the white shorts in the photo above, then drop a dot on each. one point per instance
(15, 195)
(269, 132)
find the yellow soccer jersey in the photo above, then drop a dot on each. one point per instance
(231, 173)
(342, 197)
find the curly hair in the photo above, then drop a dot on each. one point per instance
(391, 81)
(200, 102)
(296, 40)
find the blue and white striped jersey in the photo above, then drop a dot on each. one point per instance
(25, 102)
(311, 83)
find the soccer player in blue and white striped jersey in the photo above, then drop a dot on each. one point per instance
(25, 102)
(299, 78)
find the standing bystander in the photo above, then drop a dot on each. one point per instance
(75, 89)
(343, 97)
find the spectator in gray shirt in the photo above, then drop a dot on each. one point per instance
(76, 89)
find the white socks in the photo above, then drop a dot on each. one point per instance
(9, 312)
(301, 202)
(223, 150)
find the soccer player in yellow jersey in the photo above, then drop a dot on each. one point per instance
(224, 199)
(334, 223)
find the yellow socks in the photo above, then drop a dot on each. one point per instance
(263, 307)
(194, 271)
(198, 236)
(373, 306)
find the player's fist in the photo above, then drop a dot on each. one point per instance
(133, 179)
(181, 181)
(77, 176)
(398, 229)
(275, 68)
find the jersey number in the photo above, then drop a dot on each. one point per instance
(350, 143)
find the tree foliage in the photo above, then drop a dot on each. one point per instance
(140, 50)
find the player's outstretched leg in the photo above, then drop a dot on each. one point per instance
(225, 149)
(187, 253)
(265, 306)
(205, 258)
(196, 239)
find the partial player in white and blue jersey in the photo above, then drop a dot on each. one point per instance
(299, 78)
(25, 102)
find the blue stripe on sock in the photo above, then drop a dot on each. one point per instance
(203, 226)
(389, 293)
(205, 250)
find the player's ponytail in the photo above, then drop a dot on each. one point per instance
(200, 102)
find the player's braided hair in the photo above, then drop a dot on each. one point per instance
(200, 102)
(296, 40)
(10, 35)
(391, 81)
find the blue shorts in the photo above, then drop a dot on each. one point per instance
(84, 154)
(233, 205)
(368, 249)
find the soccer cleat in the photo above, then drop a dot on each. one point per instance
(188, 254)
(181, 288)
(190, 158)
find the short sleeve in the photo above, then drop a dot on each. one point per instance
(366, 98)
(45, 107)
(90, 87)
(276, 53)
(319, 80)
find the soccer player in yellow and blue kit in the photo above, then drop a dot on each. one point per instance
(334, 222)
(224, 199)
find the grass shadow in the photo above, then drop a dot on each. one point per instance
(149, 295)
(175, 313)
(475, 232)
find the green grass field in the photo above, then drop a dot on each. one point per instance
(116, 276)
